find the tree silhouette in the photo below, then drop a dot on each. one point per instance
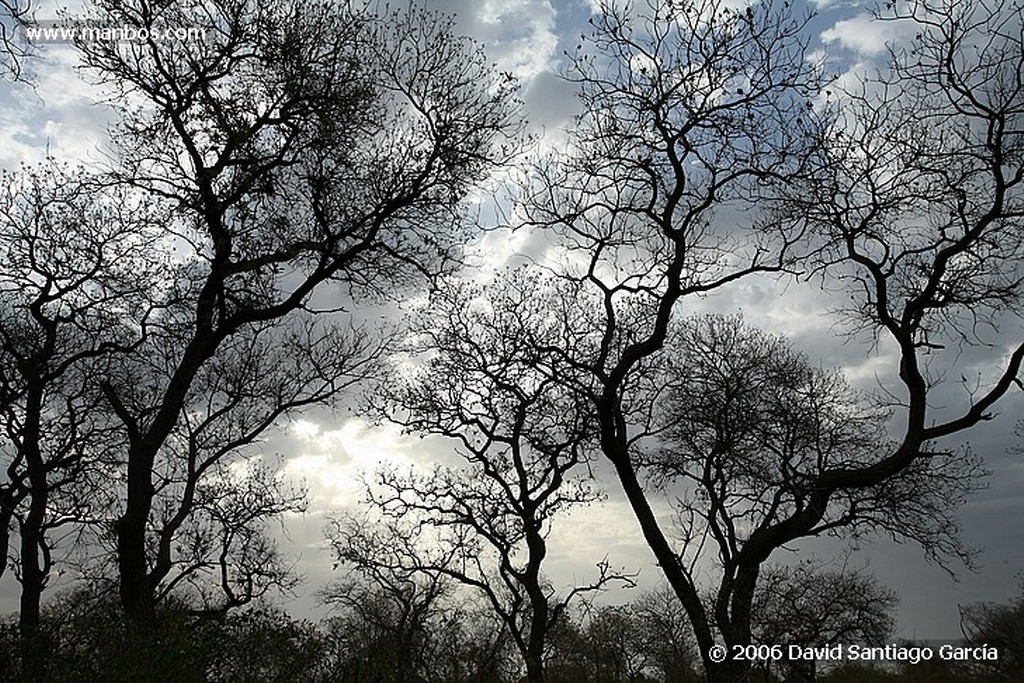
(744, 432)
(300, 146)
(74, 292)
(646, 639)
(702, 157)
(690, 111)
(811, 605)
(995, 625)
(400, 620)
(303, 162)
(525, 442)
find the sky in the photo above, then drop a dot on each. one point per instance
(62, 115)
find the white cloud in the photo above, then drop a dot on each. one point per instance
(59, 113)
(518, 35)
(333, 461)
(864, 34)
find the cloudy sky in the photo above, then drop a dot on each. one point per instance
(60, 114)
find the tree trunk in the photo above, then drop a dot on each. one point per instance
(33, 570)
(138, 581)
(136, 588)
(34, 647)
(538, 550)
(661, 547)
(534, 667)
(728, 671)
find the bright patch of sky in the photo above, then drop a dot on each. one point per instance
(865, 35)
(333, 461)
(58, 114)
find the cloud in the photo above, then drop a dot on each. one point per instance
(865, 35)
(518, 35)
(550, 101)
(332, 461)
(58, 114)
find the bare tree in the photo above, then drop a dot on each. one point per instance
(812, 605)
(225, 552)
(745, 430)
(388, 612)
(698, 126)
(74, 292)
(302, 146)
(920, 191)
(667, 636)
(647, 639)
(613, 644)
(212, 494)
(396, 623)
(692, 112)
(525, 441)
